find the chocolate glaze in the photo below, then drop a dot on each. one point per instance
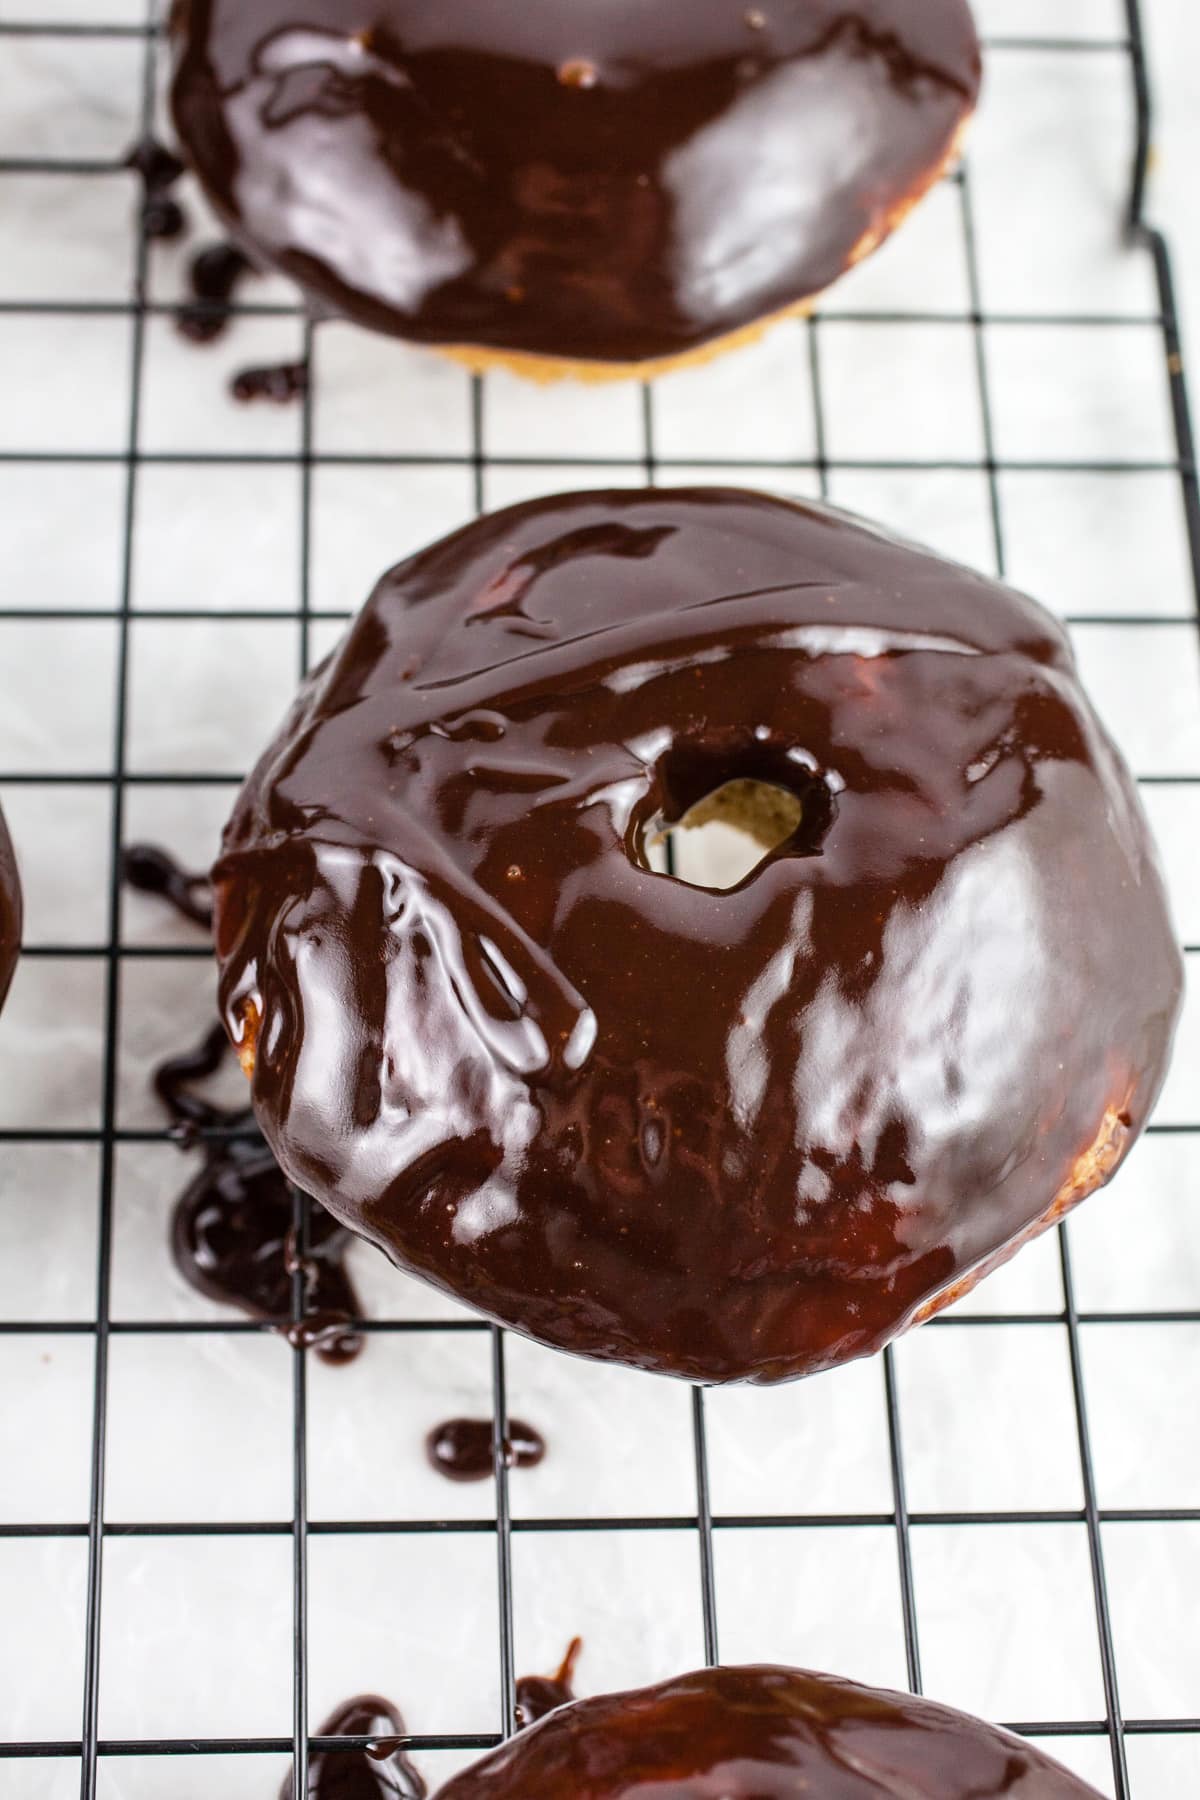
(599, 181)
(724, 1134)
(10, 910)
(763, 1734)
(152, 870)
(159, 169)
(232, 1228)
(382, 1771)
(538, 1695)
(214, 276)
(461, 1449)
(281, 383)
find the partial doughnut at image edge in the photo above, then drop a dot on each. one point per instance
(11, 909)
(727, 1134)
(748, 1733)
(599, 189)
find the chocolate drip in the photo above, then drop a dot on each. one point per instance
(328, 1333)
(153, 870)
(280, 383)
(538, 1695)
(461, 1449)
(380, 1771)
(214, 275)
(190, 1115)
(606, 183)
(745, 1733)
(159, 169)
(725, 1134)
(232, 1231)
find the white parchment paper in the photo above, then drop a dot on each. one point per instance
(196, 1631)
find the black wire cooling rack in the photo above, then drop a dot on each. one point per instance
(88, 1749)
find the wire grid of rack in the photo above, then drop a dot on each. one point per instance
(80, 1758)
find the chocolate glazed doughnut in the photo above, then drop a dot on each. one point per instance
(763, 1734)
(726, 1135)
(616, 182)
(10, 911)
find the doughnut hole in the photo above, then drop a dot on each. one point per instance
(726, 835)
(719, 821)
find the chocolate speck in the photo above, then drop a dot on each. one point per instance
(214, 275)
(280, 383)
(461, 1449)
(152, 870)
(159, 170)
(162, 217)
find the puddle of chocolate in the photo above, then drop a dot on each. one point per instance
(158, 169)
(152, 870)
(232, 1231)
(538, 1695)
(381, 1771)
(214, 275)
(280, 383)
(232, 1228)
(461, 1449)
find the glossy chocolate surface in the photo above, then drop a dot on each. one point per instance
(10, 910)
(605, 180)
(382, 1771)
(461, 1449)
(723, 1134)
(763, 1734)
